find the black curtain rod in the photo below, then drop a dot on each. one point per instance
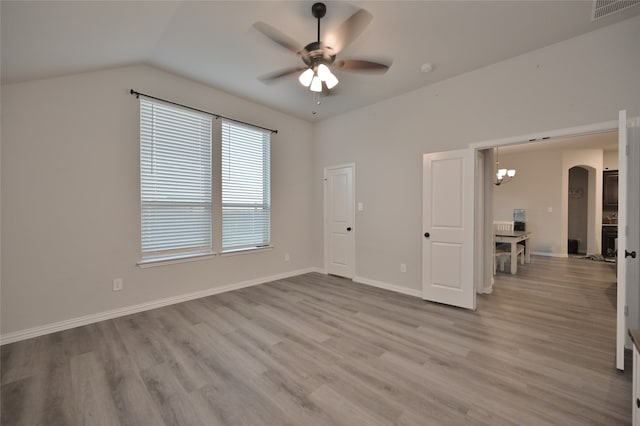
(138, 94)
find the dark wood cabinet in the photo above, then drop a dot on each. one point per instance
(610, 189)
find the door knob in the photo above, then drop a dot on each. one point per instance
(427, 235)
(632, 254)
(349, 229)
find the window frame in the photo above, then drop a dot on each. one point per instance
(250, 134)
(165, 202)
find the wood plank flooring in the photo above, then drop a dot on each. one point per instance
(321, 350)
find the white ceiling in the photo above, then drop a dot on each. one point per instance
(214, 42)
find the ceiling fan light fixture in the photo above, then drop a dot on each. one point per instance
(318, 56)
(316, 84)
(306, 77)
(323, 72)
(331, 81)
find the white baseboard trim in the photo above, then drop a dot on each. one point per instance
(17, 336)
(387, 286)
(542, 253)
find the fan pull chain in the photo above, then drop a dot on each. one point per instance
(316, 102)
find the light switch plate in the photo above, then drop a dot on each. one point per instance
(118, 284)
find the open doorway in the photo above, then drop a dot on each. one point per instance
(481, 228)
(549, 175)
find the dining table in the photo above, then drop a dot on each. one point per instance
(514, 238)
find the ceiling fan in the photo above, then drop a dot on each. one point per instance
(319, 56)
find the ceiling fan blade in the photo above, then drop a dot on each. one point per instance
(351, 29)
(279, 37)
(272, 77)
(359, 65)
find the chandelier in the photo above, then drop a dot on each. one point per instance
(503, 175)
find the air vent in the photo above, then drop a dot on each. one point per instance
(602, 8)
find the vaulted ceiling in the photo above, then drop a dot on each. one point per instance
(215, 42)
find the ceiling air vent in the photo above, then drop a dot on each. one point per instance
(602, 8)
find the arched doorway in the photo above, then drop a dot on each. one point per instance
(578, 211)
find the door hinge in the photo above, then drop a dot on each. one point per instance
(626, 311)
(627, 150)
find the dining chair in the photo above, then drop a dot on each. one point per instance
(502, 253)
(503, 225)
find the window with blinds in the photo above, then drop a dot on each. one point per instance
(246, 192)
(175, 181)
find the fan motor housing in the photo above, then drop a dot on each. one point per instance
(315, 54)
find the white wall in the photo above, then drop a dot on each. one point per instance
(610, 160)
(538, 172)
(70, 196)
(581, 81)
(541, 188)
(536, 189)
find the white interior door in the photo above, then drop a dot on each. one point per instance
(628, 224)
(339, 220)
(448, 228)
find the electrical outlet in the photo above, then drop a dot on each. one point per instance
(118, 284)
(287, 257)
(403, 267)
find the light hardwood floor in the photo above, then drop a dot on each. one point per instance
(321, 350)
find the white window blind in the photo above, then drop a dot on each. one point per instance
(246, 192)
(175, 181)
